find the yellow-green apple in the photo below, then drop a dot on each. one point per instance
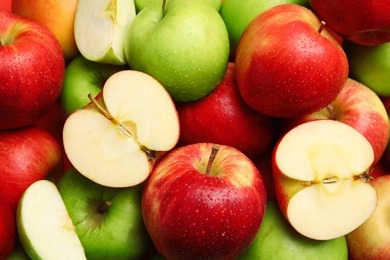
(44, 226)
(363, 22)
(223, 117)
(277, 239)
(116, 139)
(32, 69)
(57, 15)
(108, 221)
(288, 63)
(357, 106)
(238, 14)
(100, 27)
(140, 4)
(191, 65)
(322, 178)
(7, 228)
(371, 240)
(26, 155)
(82, 77)
(370, 65)
(203, 201)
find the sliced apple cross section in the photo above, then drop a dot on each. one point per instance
(321, 174)
(115, 139)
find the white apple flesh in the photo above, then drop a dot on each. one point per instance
(321, 175)
(117, 144)
(44, 226)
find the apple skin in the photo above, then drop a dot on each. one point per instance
(368, 21)
(285, 67)
(32, 70)
(190, 214)
(140, 4)
(223, 117)
(60, 20)
(7, 229)
(82, 77)
(357, 106)
(106, 231)
(371, 240)
(277, 239)
(27, 155)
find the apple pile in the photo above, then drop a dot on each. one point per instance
(194, 129)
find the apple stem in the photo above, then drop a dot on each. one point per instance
(213, 155)
(104, 207)
(321, 27)
(331, 111)
(163, 7)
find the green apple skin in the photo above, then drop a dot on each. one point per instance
(82, 77)
(237, 14)
(140, 4)
(108, 221)
(186, 48)
(277, 239)
(370, 65)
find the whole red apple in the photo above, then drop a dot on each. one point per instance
(363, 22)
(204, 203)
(32, 69)
(26, 155)
(223, 117)
(288, 63)
(7, 229)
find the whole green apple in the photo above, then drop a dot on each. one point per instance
(82, 77)
(237, 14)
(277, 239)
(183, 44)
(108, 221)
(140, 4)
(370, 65)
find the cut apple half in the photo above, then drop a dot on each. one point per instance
(44, 226)
(100, 27)
(321, 174)
(116, 139)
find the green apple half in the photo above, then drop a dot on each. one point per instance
(44, 226)
(100, 27)
(116, 139)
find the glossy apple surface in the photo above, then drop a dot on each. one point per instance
(7, 228)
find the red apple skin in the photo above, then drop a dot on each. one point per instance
(7, 229)
(371, 240)
(192, 215)
(368, 21)
(32, 70)
(285, 67)
(27, 155)
(357, 106)
(223, 117)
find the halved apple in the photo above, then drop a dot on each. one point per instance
(322, 182)
(44, 226)
(116, 139)
(100, 27)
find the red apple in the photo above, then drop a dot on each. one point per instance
(32, 70)
(288, 63)
(223, 117)
(357, 106)
(201, 203)
(364, 22)
(26, 155)
(371, 240)
(7, 229)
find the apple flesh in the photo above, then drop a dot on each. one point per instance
(322, 182)
(44, 227)
(116, 139)
(203, 203)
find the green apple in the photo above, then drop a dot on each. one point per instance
(237, 14)
(82, 77)
(370, 65)
(183, 44)
(100, 27)
(140, 4)
(44, 226)
(277, 239)
(108, 221)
